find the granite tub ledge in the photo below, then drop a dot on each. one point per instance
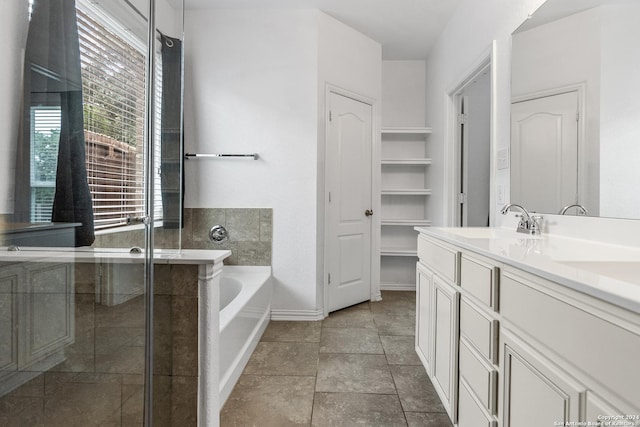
(115, 255)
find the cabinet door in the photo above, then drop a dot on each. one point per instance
(536, 392)
(445, 308)
(9, 279)
(46, 311)
(423, 316)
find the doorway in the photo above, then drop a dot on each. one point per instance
(473, 145)
(349, 148)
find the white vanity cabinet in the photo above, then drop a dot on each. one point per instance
(437, 317)
(528, 350)
(37, 318)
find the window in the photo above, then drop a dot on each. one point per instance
(45, 135)
(113, 67)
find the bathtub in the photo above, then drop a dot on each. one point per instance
(245, 309)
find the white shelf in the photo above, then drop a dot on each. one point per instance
(413, 130)
(405, 177)
(407, 162)
(398, 252)
(406, 222)
(406, 192)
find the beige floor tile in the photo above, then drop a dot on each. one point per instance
(395, 324)
(428, 419)
(400, 350)
(358, 316)
(284, 331)
(351, 409)
(398, 306)
(269, 401)
(357, 373)
(283, 358)
(415, 389)
(350, 340)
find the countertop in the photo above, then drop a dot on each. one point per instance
(606, 271)
(115, 255)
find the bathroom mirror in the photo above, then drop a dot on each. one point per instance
(575, 112)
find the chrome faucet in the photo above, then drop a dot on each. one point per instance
(581, 209)
(528, 223)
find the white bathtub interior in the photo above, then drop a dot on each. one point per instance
(245, 309)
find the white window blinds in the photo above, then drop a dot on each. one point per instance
(113, 80)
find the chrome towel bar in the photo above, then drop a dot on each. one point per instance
(255, 156)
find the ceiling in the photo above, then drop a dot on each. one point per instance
(406, 29)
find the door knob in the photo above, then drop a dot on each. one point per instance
(368, 212)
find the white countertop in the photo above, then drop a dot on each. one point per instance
(116, 255)
(606, 271)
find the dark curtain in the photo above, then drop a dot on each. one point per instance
(52, 78)
(172, 180)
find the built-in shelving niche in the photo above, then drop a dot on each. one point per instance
(404, 196)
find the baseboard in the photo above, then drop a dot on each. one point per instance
(397, 287)
(296, 315)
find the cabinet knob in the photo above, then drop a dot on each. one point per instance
(368, 212)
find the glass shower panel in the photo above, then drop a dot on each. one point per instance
(74, 256)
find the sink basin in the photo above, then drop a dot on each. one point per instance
(488, 233)
(627, 271)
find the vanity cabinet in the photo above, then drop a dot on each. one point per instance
(437, 317)
(526, 350)
(37, 313)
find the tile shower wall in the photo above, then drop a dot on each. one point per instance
(250, 233)
(100, 381)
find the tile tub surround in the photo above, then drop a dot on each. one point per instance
(309, 374)
(103, 372)
(250, 234)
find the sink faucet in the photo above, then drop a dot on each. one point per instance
(528, 223)
(581, 209)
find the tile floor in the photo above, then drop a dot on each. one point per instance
(356, 367)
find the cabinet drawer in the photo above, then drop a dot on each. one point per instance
(440, 258)
(470, 413)
(570, 330)
(479, 329)
(479, 279)
(479, 375)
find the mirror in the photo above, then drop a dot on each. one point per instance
(575, 116)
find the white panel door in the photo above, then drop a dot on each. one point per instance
(424, 295)
(445, 335)
(544, 152)
(349, 145)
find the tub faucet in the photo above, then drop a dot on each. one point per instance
(528, 223)
(581, 209)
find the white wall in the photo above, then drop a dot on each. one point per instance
(13, 31)
(255, 82)
(351, 61)
(403, 93)
(620, 109)
(469, 34)
(251, 86)
(561, 53)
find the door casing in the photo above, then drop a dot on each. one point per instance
(375, 190)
